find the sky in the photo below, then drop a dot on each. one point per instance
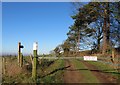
(0, 28)
(27, 22)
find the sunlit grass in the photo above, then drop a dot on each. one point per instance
(88, 77)
(52, 74)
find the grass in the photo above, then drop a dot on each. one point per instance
(53, 74)
(15, 74)
(88, 77)
(106, 68)
(52, 71)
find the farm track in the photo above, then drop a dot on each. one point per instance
(101, 76)
(71, 75)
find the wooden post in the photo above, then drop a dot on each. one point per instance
(31, 58)
(113, 54)
(4, 65)
(19, 52)
(113, 58)
(21, 59)
(34, 65)
(20, 56)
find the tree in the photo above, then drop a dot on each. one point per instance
(57, 50)
(81, 25)
(93, 12)
(66, 47)
(74, 38)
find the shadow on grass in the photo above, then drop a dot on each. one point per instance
(63, 68)
(102, 71)
(107, 71)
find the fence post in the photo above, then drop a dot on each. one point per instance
(113, 58)
(21, 59)
(113, 54)
(34, 68)
(20, 56)
(4, 65)
(19, 51)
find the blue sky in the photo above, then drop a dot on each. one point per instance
(47, 23)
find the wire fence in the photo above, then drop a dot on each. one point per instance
(106, 60)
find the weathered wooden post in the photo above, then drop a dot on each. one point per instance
(21, 59)
(19, 51)
(34, 63)
(113, 54)
(20, 56)
(4, 65)
(113, 58)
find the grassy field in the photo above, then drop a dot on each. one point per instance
(88, 77)
(52, 71)
(48, 71)
(106, 68)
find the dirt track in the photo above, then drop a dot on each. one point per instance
(72, 75)
(102, 77)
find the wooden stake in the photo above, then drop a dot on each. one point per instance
(4, 65)
(21, 59)
(113, 54)
(19, 52)
(20, 56)
(113, 58)
(31, 58)
(34, 68)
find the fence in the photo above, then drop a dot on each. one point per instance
(112, 61)
(106, 60)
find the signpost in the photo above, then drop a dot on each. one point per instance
(20, 56)
(90, 58)
(34, 61)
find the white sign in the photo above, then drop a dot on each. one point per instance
(21, 50)
(90, 58)
(35, 46)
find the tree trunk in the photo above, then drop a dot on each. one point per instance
(78, 39)
(98, 44)
(98, 39)
(106, 30)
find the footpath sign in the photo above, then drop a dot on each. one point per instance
(90, 58)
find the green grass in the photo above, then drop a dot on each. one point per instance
(24, 77)
(20, 77)
(106, 68)
(55, 75)
(88, 77)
